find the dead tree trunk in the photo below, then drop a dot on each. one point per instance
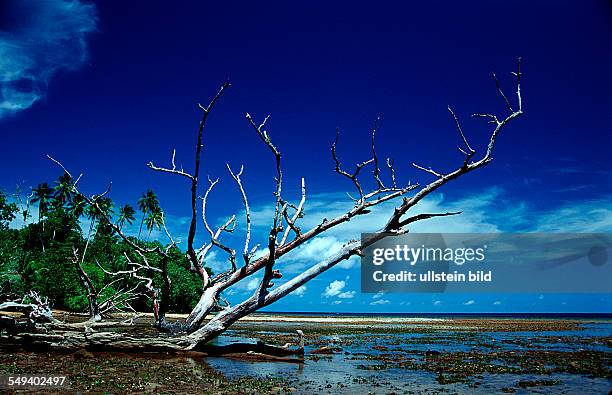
(92, 295)
(284, 236)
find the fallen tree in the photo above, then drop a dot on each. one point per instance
(212, 315)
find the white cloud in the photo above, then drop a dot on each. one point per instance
(215, 263)
(300, 291)
(473, 219)
(252, 284)
(346, 295)
(437, 303)
(480, 214)
(315, 248)
(378, 295)
(315, 251)
(247, 285)
(379, 302)
(590, 216)
(337, 302)
(46, 37)
(469, 302)
(334, 288)
(497, 303)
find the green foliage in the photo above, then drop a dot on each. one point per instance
(186, 287)
(7, 211)
(126, 215)
(151, 212)
(11, 259)
(76, 302)
(39, 256)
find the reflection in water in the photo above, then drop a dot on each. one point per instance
(355, 368)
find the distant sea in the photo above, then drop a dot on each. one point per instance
(590, 316)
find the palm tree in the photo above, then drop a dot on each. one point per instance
(77, 206)
(63, 193)
(126, 214)
(155, 218)
(103, 208)
(147, 203)
(42, 195)
(61, 199)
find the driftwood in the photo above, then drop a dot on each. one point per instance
(259, 350)
(284, 236)
(76, 336)
(34, 307)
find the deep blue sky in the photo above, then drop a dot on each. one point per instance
(111, 100)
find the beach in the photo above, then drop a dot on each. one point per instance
(362, 354)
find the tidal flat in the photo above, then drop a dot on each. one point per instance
(349, 355)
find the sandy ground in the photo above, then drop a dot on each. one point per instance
(461, 323)
(262, 317)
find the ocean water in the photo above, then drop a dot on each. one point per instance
(357, 368)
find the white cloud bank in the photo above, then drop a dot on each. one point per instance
(481, 213)
(334, 288)
(45, 37)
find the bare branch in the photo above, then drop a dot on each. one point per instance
(214, 241)
(375, 157)
(172, 170)
(492, 118)
(247, 210)
(229, 227)
(204, 200)
(390, 165)
(59, 164)
(394, 222)
(279, 207)
(191, 253)
(167, 232)
(92, 295)
(214, 100)
(93, 202)
(298, 214)
(421, 217)
(450, 110)
(501, 92)
(517, 74)
(354, 176)
(263, 135)
(429, 170)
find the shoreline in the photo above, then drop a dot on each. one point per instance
(348, 355)
(384, 319)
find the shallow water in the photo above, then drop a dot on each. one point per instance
(366, 361)
(480, 356)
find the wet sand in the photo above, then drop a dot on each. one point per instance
(360, 355)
